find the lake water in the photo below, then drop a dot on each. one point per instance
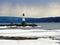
(49, 26)
(46, 26)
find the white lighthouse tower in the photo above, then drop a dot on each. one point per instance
(23, 20)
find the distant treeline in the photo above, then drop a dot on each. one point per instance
(29, 20)
(47, 19)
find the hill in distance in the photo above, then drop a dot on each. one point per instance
(28, 20)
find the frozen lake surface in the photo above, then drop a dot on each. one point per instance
(48, 29)
(30, 33)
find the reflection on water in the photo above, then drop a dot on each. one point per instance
(49, 26)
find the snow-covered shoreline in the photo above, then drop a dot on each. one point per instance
(30, 33)
(29, 42)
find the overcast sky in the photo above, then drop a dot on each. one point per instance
(31, 8)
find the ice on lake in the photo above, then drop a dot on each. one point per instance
(44, 32)
(29, 42)
(26, 33)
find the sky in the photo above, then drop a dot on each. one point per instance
(31, 8)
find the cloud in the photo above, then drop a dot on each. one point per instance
(52, 9)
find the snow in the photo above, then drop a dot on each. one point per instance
(30, 33)
(28, 42)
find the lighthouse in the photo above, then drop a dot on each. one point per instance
(23, 20)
